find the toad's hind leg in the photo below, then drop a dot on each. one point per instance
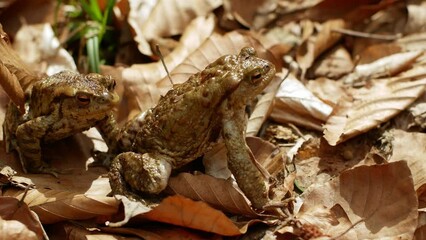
(133, 172)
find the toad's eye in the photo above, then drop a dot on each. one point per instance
(82, 99)
(256, 77)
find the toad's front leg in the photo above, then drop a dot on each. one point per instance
(134, 172)
(249, 176)
(28, 139)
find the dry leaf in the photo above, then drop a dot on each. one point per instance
(373, 106)
(40, 49)
(220, 193)
(294, 103)
(12, 229)
(195, 33)
(142, 77)
(15, 75)
(13, 209)
(181, 211)
(335, 64)
(379, 200)
(315, 45)
(384, 67)
(164, 19)
(329, 91)
(251, 14)
(213, 48)
(411, 148)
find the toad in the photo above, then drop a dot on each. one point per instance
(185, 122)
(56, 107)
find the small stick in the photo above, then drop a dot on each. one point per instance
(157, 48)
(367, 35)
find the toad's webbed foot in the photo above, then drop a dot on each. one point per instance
(132, 172)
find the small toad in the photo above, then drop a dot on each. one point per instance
(56, 107)
(185, 122)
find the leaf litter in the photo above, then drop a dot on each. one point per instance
(348, 169)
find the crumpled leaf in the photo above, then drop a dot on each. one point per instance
(195, 33)
(251, 14)
(220, 193)
(379, 200)
(315, 45)
(15, 76)
(53, 205)
(335, 64)
(140, 78)
(410, 146)
(382, 101)
(181, 211)
(40, 49)
(295, 103)
(214, 47)
(12, 229)
(384, 67)
(162, 18)
(25, 220)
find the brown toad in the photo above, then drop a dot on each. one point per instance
(56, 107)
(185, 122)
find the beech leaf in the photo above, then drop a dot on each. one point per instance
(379, 200)
(165, 19)
(385, 99)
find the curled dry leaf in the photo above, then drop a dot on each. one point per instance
(15, 76)
(41, 50)
(251, 14)
(12, 209)
(384, 67)
(385, 99)
(296, 104)
(181, 211)
(219, 193)
(335, 64)
(214, 47)
(329, 91)
(58, 205)
(165, 18)
(195, 33)
(12, 229)
(315, 45)
(410, 146)
(379, 201)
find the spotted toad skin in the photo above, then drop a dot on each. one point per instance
(56, 107)
(185, 122)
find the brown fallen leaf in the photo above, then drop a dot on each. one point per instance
(295, 103)
(165, 19)
(40, 49)
(315, 45)
(53, 205)
(214, 47)
(25, 219)
(329, 91)
(15, 76)
(379, 201)
(181, 211)
(334, 64)
(384, 67)
(382, 101)
(414, 155)
(140, 79)
(13, 229)
(220, 193)
(251, 14)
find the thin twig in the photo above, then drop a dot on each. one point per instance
(157, 48)
(367, 35)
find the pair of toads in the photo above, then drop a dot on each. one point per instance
(182, 126)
